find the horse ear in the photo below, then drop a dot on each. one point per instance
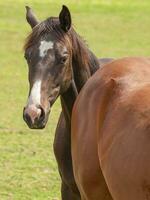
(30, 17)
(65, 18)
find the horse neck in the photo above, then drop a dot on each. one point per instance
(84, 64)
(67, 101)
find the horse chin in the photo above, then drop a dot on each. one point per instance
(38, 126)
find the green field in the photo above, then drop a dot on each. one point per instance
(112, 28)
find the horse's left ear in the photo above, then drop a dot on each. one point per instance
(65, 18)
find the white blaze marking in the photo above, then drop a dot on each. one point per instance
(44, 46)
(35, 94)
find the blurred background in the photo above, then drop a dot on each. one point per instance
(112, 28)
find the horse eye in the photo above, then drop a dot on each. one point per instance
(25, 56)
(63, 59)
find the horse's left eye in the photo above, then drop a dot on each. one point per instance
(63, 59)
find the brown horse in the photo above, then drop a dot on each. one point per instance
(111, 131)
(59, 64)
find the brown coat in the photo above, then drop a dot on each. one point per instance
(111, 132)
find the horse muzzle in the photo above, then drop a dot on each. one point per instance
(34, 116)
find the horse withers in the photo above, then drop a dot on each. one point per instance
(59, 65)
(111, 131)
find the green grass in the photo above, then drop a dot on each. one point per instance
(113, 28)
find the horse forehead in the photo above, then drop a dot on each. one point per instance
(44, 47)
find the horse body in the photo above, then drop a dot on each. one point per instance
(110, 132)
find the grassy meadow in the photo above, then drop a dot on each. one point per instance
(112, 28)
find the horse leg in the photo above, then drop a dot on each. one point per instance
(62, 150)
(67, 193)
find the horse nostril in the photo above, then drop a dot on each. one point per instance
(42, 114)
(27, 118)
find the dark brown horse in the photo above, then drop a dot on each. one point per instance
(111, 132)
(59, 64)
